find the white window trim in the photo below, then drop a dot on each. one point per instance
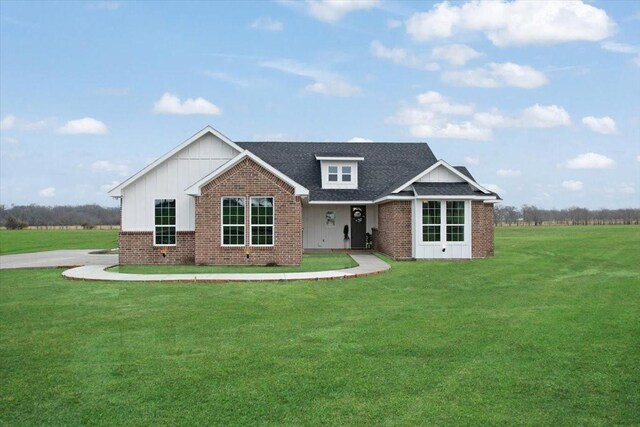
(443, 222)
(273, 226)
(222, 225)
(342, 174)
(175, 201)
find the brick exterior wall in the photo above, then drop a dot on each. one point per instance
(136, 247)
(394, 229)
(247, 179)
(481, 230)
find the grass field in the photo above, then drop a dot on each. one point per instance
(22, 241)
(310, 262)
(545, 333)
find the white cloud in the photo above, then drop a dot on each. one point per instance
(572, 185)
(638, 158)
(536, 116)
(497, 75)
(545, 116)
(325, 82)
(47, 192)
(334, 10)
(401, 56)
(171, 104)
(508, 172)
(590, 161)
(455, 54)
(620, 47)
(494, 188)
(359, 139)
(393, 24)
(604, 125)
(106, 187)
(8, 140)
(8, 121)
(107, 166)
(87, 125)
(267, 24)
(429, 118)
(472, 160)
(514, 23)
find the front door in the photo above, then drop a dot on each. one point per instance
(358, 227)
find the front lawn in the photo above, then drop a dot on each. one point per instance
(310, 262)
(545, 333)
(23, 241)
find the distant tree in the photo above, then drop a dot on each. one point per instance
(13, 223)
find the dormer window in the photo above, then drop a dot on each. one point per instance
(333, 174)
(339, 172)
(346, 174)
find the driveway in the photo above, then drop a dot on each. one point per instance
(66, 258)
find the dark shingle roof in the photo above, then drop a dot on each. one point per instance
(447, 189)
(386, 166)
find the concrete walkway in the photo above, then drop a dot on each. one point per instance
(367, 264)
(66, 258)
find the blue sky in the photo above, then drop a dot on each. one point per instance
(541, 100)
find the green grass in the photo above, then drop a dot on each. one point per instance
(310, 262)
(545, 333)
(23, 241)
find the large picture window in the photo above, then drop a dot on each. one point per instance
(455, 221)
(165, 222)
(262, 221)
(431, 219)
(233, 221)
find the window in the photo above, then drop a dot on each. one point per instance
(346, 174)
(165, 222)
(455, 221)
(262, 221)
(233, 221)
(333, 174)
(431, 221)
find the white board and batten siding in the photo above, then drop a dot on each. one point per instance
(169, 180)
(318, 235)
(434, 250)
(440, 174)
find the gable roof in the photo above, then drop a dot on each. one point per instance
(457, 171)
(194, 190)
(117, 190)
(385, 166)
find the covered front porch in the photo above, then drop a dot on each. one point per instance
(338, 226)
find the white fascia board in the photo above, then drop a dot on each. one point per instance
(446, 165)
(195, 189)
(341, 202)
(389, 198)
(340, 158)
(487, 198)
(117, 190)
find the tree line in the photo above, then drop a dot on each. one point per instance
(87, 216)
(532, 215)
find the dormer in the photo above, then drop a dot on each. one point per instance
(339, 172)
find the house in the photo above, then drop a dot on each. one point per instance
(214, 201)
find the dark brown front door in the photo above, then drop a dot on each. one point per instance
(358, 227)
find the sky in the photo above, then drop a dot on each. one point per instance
(540, 100)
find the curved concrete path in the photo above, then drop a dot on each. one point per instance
(367, 264)
(63, 258)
